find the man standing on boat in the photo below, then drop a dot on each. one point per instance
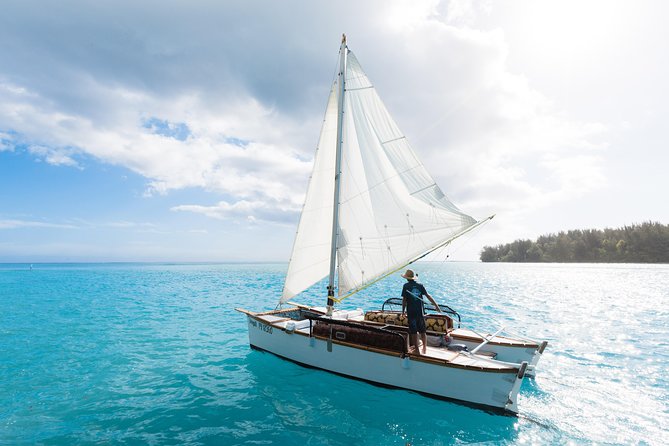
(412, 304)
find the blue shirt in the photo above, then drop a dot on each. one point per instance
(412, 292)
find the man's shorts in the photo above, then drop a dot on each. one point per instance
(416, 324)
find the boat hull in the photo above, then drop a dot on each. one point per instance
(491, 389)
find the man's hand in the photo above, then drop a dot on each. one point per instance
(436, 305)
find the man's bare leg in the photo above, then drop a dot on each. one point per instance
(423, 337)
(414, 347)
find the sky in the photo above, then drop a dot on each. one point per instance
(185, 131)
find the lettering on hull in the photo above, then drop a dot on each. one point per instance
(260, 326)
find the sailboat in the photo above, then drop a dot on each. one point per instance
(370, 210)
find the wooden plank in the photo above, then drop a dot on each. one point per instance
(247, 312)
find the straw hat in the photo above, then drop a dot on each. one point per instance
(409, 275)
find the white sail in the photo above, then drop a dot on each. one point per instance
(391, 210)
(310, 259)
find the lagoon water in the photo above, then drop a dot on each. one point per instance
(155, 354)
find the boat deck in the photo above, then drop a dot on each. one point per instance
(439, 354)
(463, 334)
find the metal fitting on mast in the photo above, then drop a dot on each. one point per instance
(330, 304)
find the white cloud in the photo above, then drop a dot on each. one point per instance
(465, 12)
(226, 110)
(127, 224)
(251, 211)
(491, 139)
(18, 224)
(6, 141)
(211, 157)
(58, 156)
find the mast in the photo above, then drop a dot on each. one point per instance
(335, 214)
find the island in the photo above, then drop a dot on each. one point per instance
(639, 243)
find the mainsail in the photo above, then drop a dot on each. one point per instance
(391, 211)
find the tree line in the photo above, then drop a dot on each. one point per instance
(639, 243)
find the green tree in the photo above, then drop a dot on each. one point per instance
(641, 243)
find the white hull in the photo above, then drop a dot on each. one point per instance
(494, 387)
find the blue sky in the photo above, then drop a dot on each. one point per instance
(184, 131)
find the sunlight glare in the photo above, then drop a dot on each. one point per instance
(569, 30)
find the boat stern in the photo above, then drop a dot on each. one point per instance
(512, 401)
(530, 372)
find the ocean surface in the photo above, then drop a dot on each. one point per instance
(156, 354)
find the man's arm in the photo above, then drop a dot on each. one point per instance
(404, 304)
(436, 305)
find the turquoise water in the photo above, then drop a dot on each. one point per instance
(156, 354)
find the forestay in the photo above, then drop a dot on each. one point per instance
(391, 210)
